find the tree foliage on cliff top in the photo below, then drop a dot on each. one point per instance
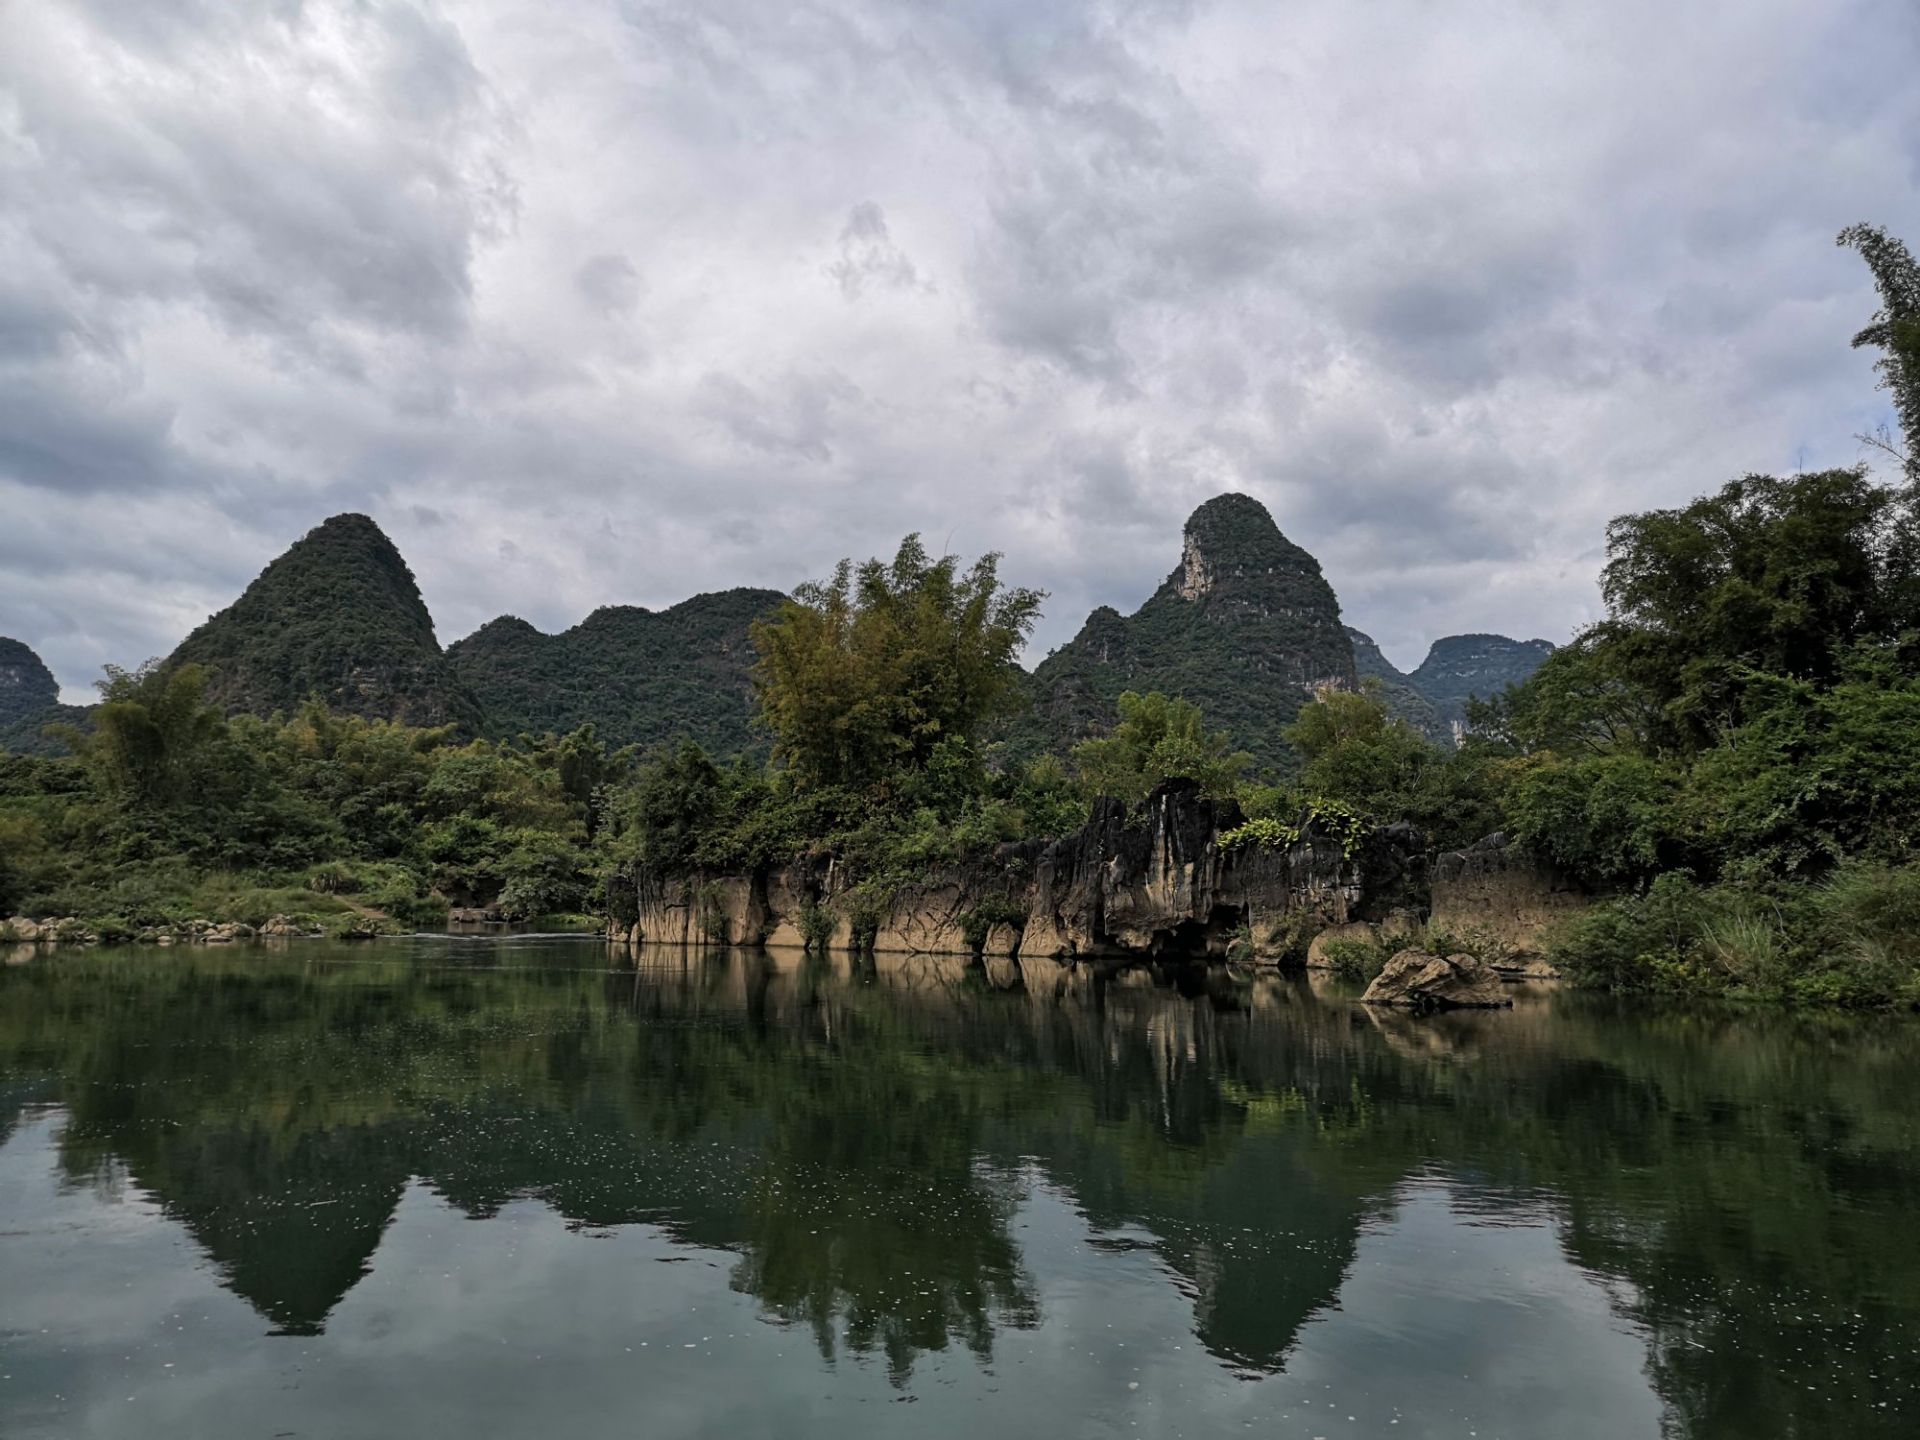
(1158, 739)
(863, 676)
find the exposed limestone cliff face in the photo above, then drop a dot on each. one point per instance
(1152, 881)
(1495, 890)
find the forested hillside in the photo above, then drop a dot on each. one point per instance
(641, 677)
(338, 616)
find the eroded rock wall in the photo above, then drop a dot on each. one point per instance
(1497, 890)
(1151, 881)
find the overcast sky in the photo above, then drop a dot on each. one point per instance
(612, 301)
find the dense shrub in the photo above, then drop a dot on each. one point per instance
(1852, 940)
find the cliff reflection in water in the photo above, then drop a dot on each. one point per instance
(862, 1140)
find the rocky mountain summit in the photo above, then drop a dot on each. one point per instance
(27, 686)
(1245, 626)
(338, 616)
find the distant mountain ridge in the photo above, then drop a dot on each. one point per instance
(1402, 696)
(639, 676)
(1245, 625)
(1460, 668)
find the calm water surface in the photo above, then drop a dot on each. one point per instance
(530, 1188)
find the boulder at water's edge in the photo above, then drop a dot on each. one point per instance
(1420, 981)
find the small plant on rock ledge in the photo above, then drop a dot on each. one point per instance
(1340, 822)
(975, 924)
(816, 927)
(1264, 834)
(867, 904)
(1357, 959)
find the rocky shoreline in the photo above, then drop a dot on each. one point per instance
(70, 930)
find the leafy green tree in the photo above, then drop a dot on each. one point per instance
(1158, 739)
(543, 873)
(861, 677)
(1747, 708)
(1895, 332)
(496, 783)
(588, 770)
(1768, 575)
(154, 740)
(1356, 752)
(676, 802)
(1816, 776)
(1608, 818)
(17, 844)
(1582, 700)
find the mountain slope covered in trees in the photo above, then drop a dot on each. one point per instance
(1245, 627)
(29, 701)
(338, 616)
(1461, 668)
(1401, 696)
(638, 676)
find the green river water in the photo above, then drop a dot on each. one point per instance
(544, 1188)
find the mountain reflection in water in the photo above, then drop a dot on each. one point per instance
(957, 1186)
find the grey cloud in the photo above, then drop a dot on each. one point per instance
(310, 215)
(609, 283)
(791, 418)
(1422, 281)
(868, 256)
(76, 432)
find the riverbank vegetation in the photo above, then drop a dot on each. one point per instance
(168, 811)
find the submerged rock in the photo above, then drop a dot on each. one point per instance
(1420, 981)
